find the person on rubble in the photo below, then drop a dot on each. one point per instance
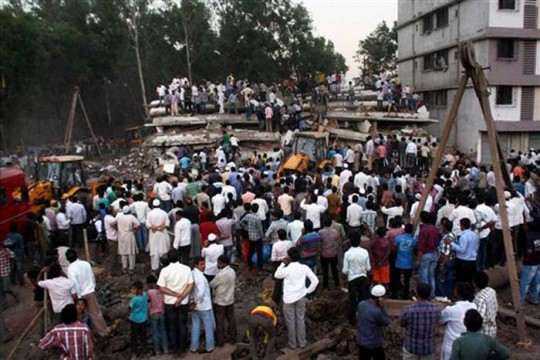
(157, 223)
(370, 325)
(262, 332)
(127, 225)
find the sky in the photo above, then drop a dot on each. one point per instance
(345, 22)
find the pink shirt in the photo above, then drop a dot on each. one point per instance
(155, 297)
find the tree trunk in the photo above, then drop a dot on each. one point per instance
(139, 69)
(188, 53)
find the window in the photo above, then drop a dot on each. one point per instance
(507, 4)
(441, 18)
(427, 24)
(504, 95)
(506, 49)
(436, 61)
(435, 98)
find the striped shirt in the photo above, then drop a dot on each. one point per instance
(74, 340)
(486, 302)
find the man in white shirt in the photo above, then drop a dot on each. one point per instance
(203, 309)
(140, 209)
(356, 267)
(60, 290)
(182, 236)
(486, 218)
(349, 157)
(228, 189)
(294, 277)
(177, 193)
(295, 227)
(218, 203)
(76, 213)
(111, 232)
(353, 213)
(392, 212)
(211, 255)
(176, 282)
(285, 202)
(80, 272)
(159, 241)
(344, 177)
(163, 193)
(410, 155)
(452, 316)
(360, 179)
(338, 161)
(313, 211)
(461, 211)
(370, 150)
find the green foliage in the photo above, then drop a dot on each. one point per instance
(50, 46)
(378, 49)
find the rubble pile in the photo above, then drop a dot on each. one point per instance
(139, 163)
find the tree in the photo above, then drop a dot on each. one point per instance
(377, 52)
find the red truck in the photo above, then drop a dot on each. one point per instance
(14, 201)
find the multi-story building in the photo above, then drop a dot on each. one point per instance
(506, 38)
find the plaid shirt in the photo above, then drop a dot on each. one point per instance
(420, 321)
(486, 303)
(5, 262)
(75, 341)
(253, 225)
(446, 249)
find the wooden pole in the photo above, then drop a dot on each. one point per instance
(450, 119)
(86, 250)
(45, 305)
(94, 137)
(71, 117)
(25, 332)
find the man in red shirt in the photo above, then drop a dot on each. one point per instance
(427, 251)
(72, 337)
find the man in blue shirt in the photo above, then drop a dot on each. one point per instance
(466, 249)
(406, 245)
(373, 317)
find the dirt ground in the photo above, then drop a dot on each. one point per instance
(326, 312)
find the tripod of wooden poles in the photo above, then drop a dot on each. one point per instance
(475, 73)
(68, 136)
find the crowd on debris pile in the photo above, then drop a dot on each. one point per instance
(350, 222)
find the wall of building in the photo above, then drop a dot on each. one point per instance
(505, 18)
(537, 72)
(506, 112)
(536, 111)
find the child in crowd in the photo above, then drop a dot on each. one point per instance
(138, 318)
(157, 316)
(82, 313)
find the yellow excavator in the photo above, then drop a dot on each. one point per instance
(308, 148)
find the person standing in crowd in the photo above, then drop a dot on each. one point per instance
(111, 232)
(138, 318)
(253, 225)
(156, 312)
(428, 238)
(203, 308)
(529, 282)
(81, 273)
(14, 242)
(127, 243)
(176, 282)
(76, 213)
(74, 338)
(380, 253)
(182, 236)
(140, 209)
(445, 262)
(329, 252)
(486, 303)
(163, 192)
(370, 325)
(405, 245)
(420, 321)
(223, 286)
(159, 243)
(466, 249)
(61, 290)
(211, 253)
(452, 317)
(474, 345)
(295, 275)
(356, 266)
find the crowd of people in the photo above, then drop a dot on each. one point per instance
(353, 220)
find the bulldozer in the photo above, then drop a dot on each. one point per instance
(309, 149)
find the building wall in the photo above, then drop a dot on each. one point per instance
(537, 72)
(506, 112)
(536, 113)
(505, 18)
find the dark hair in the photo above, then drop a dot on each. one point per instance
(254, 208)
(481, 279)
(308, 226)
(282, 234)
(473, 320)
(151, 279)
(69, 314)
(13, 227)
(381, 231)
(409, 228)
(55, 271)
(137, 285)
(172, 255)
(425, 217)
(423, 291)
(294, 254)
(224, 259)
(465, 222)
(71, 255)
(328, 221)
(465, 291)
(354, 237)
(197, 260)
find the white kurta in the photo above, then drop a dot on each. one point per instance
(159, 242)
(127, 243)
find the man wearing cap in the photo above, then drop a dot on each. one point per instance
(127, 244)
(370, 325)
(211, 255)
(159, 241)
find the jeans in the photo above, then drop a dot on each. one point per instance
(428, 263)
(530, 280)
(229, 251)
(358, 291)
(142, 237)
(176, 317)
(445, 279)
(159, 333)
(255, 246)
(332, 262)
(207, 317)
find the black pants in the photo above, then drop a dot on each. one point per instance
(332, 262)
(465, 270)
(496, 254)
(406, 281)
(358, 291)
(225, 315)
(277, 294)
(184, 252)
(365, 353)
(138, 337)
(77, 235)
(176, 318)
(255, 246)
(394, 277)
